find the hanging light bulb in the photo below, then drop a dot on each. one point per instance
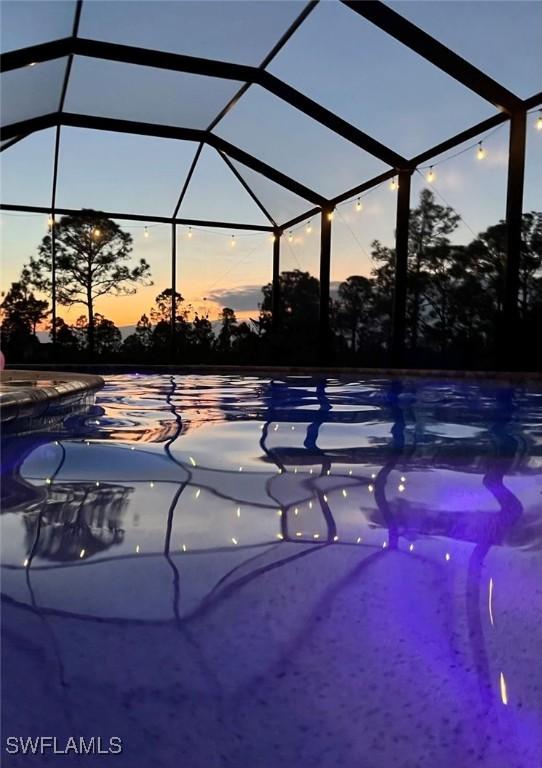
(359, 205)
(146, 232)
(232, 243)
(96, 233)
(32, 63)
(330, 216)
(481, 153)
(50, 222)
(308, 228)
(539, 121)
(394, 185)
(273, 238)
(290, 237)
(430, 175)
(189, 233)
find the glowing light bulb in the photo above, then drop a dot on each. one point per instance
(232, 243)
(189, 233)
(430, 175)
(234, 541)
(137, 549)
(290, 237)
(96, 233)
(411, 548)
(82, 553)
(370, 488)
(308, 228)
(447, 557)
(50, 222)
(146, 232)
(539, 121)
(394, 185)
(330, 216)
(481, 153)
(32, 63)
(359, 206)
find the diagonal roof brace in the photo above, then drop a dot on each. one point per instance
(432, 50)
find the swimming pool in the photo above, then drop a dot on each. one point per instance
(245, 571)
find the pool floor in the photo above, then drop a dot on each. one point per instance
(241, 571)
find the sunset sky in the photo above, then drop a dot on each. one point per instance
(359, 73)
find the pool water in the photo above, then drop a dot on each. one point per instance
(245, 571)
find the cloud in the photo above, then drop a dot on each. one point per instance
(246, 297)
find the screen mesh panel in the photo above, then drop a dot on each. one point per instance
(30, 22)
(214, 193)
(284, 137)
(375, 82)
(481, 33)
(111, 171)
(31, 91)
(145, 94)
(241, 32)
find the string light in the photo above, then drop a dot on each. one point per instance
(189, 233)
(146, 232)
(308, 228)
(359, 205)
(430, 175)
(539, 121)
(290, 237)
(481, 153)
(394, 185)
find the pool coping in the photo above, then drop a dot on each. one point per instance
(294, 370)
(23, 401)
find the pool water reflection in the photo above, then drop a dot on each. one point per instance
(244, 571)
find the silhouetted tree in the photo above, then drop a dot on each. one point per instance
(353, 313)
(107, 337)
(20, 312)
(139, 344)
(21, 303)
(227, 331)
(91, 256)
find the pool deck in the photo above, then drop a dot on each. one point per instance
(31, 392)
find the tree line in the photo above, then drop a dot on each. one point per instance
(454, 303)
